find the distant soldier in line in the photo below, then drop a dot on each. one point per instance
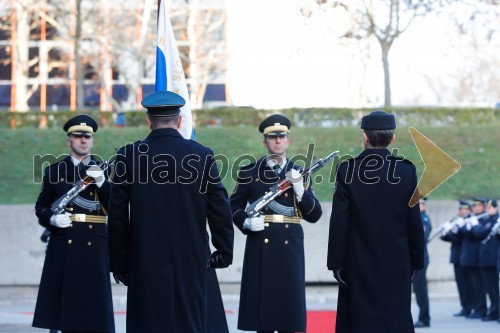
(465, 291)
(493, 212)
(469, 258)
(488, 260)
(420, 282)
(273, 278)
(376, 240)
(75, 288)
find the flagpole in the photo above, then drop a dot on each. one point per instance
(169, 70)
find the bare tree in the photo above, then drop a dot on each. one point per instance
(385, 20)
(476, 80)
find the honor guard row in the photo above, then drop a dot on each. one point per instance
(475, 255)
(159, 245)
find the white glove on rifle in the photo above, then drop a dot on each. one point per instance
(60, 220)
(254, 223)
(471, 222)
(98, 175)
(447, 226)
(296, 179)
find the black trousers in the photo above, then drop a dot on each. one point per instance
(464, 286)
(265, 331)
(474, 274)
(422, 295)
(490, 281)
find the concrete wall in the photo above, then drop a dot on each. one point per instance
(22, 253)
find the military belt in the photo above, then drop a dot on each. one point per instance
(88, 218)
(275, 218)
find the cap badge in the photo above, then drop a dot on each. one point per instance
(83, 124)
(277, 124)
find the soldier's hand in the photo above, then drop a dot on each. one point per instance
(61, 220)
(254, 223)
(121, 277)
(296, 179)
(337, 274)
(216, 260)
(413, 276)
(95, 172)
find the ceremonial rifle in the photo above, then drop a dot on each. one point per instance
(59, 206)
(494, 230)
(254, 209)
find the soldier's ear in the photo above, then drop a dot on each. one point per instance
(68, 142)
(393, 138)
(179, 122)
(365, 139)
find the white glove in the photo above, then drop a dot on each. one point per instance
(60, 220)
(296, 179)
(447, 226)
(470, 222)
(460, 222)
(254, 223)
(96, 173)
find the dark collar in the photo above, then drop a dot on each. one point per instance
(374, 151)
(164, 132)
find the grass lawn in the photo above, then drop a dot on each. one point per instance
(474, 147)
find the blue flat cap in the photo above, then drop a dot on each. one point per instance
(479, 201)
(81, 125)
(378, 120)
(464, 204)
(163, 104)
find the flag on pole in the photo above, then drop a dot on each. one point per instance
(169, 71)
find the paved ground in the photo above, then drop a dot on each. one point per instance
(17, 304)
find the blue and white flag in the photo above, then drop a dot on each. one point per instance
(169, 71)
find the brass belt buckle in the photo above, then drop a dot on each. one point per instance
(79, 217)
(278, 218)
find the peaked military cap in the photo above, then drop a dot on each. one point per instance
(163, 104)
(275, 125)
(463, 204)
(479, 201)
(493, 203)
(81, 125)
(378, 120)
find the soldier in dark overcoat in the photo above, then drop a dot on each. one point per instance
(272, 294)
(165, 190)
(488, 260)
(451, 234)
(420, 281)
(469, 258)
(376, 241)
(75, 289)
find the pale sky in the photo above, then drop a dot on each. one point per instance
(276, 60)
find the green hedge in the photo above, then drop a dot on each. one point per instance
(249, 116)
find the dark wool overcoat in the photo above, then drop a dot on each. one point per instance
(377, 240)
(273, 279)
(165, 190)
(75, 288)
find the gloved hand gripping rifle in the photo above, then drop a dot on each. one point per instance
(59, 206)
(255, 208)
